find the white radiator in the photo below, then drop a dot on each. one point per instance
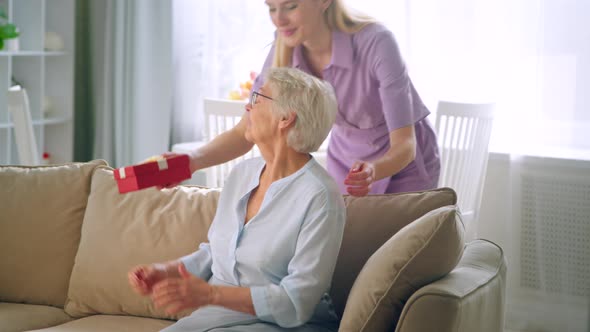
(555, 231)
(549, 259)
(538, 210)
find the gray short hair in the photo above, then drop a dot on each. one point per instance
(311, 99)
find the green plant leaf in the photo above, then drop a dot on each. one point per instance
(1, 43)
(8, 31)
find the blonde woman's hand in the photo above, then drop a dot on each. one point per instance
(359, 179)
(142, 278)
(170, 155)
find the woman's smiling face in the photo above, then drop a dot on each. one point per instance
(296, 20)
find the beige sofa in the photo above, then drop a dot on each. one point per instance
(68, 238)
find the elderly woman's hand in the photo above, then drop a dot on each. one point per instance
(359, 179)
(178, 294)
(143, 277)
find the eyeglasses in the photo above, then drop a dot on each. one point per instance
(255, 96)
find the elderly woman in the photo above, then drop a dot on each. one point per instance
(278, 227)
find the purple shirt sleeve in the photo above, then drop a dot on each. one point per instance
(395, 89)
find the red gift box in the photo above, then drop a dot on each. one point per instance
(155, 173)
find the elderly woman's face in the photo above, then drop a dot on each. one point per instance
(262, 122)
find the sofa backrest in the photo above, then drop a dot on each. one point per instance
(121, 231)
(40, 219)
(41, 222)
(371, 221)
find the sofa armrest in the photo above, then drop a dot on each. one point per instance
(470, 298)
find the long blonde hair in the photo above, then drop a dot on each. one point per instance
(337, 16)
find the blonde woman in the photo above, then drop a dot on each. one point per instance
(381, 141)
(277, 231)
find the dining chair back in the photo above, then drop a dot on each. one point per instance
(220, 116)
(464, 132)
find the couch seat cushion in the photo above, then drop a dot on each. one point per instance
(423, 251)
(121, 231)
(372, 220)
(17, 317)
(106, 323)
(40, 220)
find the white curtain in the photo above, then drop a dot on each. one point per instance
(132, 78)
(216, 43)
(532, 57)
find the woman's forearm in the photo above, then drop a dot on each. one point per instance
(226, 146)
(402, 152)
(234, 298)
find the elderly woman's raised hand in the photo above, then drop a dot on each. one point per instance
(179, 294)
(142, 278)
(359, 178)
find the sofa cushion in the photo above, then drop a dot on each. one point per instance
(124, 230)
(372, 220)
(423, 251)
(40, 221)
(17, 317)
(106, 323)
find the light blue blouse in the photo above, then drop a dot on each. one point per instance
(286, 254)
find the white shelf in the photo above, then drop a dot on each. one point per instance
(31, 53)
(45, 75)
(52, 121)
(40, 122)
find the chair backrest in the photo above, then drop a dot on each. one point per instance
(220, 116)
(18, 107)
(464, 132)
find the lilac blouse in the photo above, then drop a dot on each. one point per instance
(375, 96)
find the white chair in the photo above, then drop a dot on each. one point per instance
(464, 132)
(18, 107)
(220, 116)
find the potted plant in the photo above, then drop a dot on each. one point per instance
(7, 29)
